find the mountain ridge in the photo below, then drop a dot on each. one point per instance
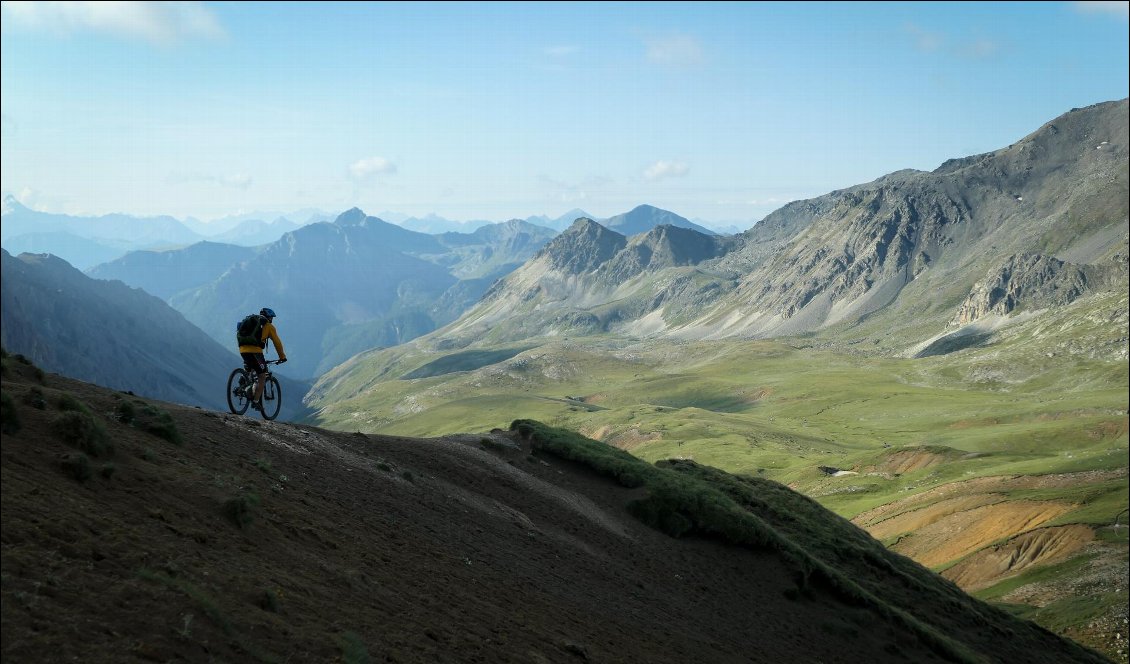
(850, 255)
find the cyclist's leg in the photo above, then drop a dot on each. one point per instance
(257, 365)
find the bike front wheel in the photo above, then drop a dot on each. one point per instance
(272, 398)
(238, 387)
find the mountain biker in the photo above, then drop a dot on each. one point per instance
(253, 354)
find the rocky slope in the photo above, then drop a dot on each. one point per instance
(905, 249)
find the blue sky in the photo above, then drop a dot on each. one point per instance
(721, 112)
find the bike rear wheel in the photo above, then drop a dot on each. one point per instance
(272, 398)
(239, 384)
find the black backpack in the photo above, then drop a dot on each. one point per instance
(249, 331)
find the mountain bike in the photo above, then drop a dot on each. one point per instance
(241, 388)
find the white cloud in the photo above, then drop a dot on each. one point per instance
(923, 40)
(371, 166)
(666, 169)
(675, 51)
(979, 48)
(933, 42)
(1120, 9)
(155, 22)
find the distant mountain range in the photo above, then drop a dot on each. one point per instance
(351, 285)
(110, 334)
(340, 288)
(85, 242)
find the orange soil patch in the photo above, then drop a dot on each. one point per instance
(961, 533)
(907, 461)
(1110, 429)
(1038, 547)
(596, 434)
(914, 520)
(982, 485)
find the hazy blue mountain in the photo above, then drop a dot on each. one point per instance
(355, 271)
(222, 225)
(254, 232)
(643, 218)
(725, 227)
(80, 252)
(434, 224)
(43, 232)
(392, 285)
(136, 231)
(494, 249)
(560, 223)
(107, 333)
(166, 273)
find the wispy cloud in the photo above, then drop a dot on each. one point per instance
(674, 51)
(1119, 9)
(666, 169)
(237, 181)
(370, 167)
(924, 40)
(978, 48)
(155, 22)
(931, 42)
(566, 192)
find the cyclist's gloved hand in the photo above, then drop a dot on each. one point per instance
(282, 359)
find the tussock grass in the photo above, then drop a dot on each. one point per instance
(9, 416)
(77, 465)
(126, 412)
(80, 429)
(239, 509)
(353, 650)
(67, 402)
(160, 423)
(35, 398)
(269, 601)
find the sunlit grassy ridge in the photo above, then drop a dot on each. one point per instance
(684, 498)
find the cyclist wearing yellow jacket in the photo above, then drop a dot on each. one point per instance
(252, 354)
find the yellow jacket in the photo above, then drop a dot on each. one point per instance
(269, 332)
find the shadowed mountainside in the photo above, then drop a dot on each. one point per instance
(242, 540)
(114, 335)
(166, 273)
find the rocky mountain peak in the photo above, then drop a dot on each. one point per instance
(582, 247)
(11, 205)
(350, 217)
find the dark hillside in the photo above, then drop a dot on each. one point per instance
(111, 334)
(220, 538)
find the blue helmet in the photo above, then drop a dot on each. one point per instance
(268, 312)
